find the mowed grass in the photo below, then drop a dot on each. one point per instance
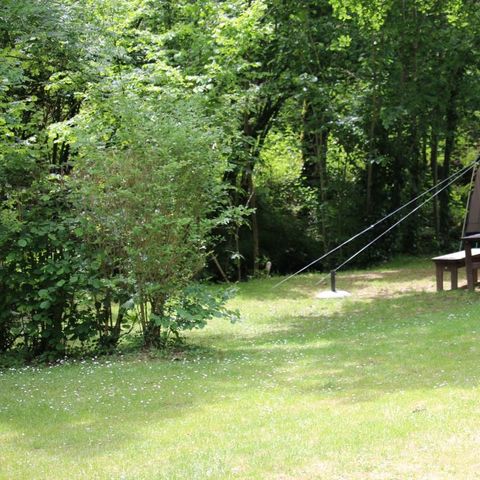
(381, 385)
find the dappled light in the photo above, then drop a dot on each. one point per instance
(372, 376)
(238, 239)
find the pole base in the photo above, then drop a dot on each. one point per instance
(330, 294)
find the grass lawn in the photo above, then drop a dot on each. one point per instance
(381, 385)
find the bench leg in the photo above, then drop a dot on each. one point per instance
(468, 266)
(454, 278)
(475, 276)
(439, 276)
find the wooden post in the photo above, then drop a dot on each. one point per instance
(454, 278)
(468, 265)
(439, 275)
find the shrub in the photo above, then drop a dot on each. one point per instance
(150, 177)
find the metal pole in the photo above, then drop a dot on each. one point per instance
(332, 281)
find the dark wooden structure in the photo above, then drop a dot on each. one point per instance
(472, 224)
(472, 260)
(470, 257)
(471, 233)
(452, 262)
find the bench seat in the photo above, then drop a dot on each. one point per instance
(452, 262)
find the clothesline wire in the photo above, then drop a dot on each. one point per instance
(440, 186)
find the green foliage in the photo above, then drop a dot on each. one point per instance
(191, 308)
(138, 138)
(285, 205)
(149, 173)
(44, 274)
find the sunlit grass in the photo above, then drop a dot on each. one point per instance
(381, 385)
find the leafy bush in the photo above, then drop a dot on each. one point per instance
(191, 308)
(44, 276)
(149, 174)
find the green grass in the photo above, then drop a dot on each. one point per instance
(381, 385)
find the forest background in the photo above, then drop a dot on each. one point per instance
(147, 145)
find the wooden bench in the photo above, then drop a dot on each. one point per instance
(451, 263)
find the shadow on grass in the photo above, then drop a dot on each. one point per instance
(306, 285)
(420, 341)
(414, 342)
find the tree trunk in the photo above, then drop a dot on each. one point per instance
(450, 130)
(255, 232)
(315, 149)
(255, 127)
(152, 336)
(434, 167)
(371, 132)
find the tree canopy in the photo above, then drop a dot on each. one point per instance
(146, 145)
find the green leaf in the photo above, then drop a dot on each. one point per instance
(43, 293)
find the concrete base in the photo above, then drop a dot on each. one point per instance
(330, 294)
